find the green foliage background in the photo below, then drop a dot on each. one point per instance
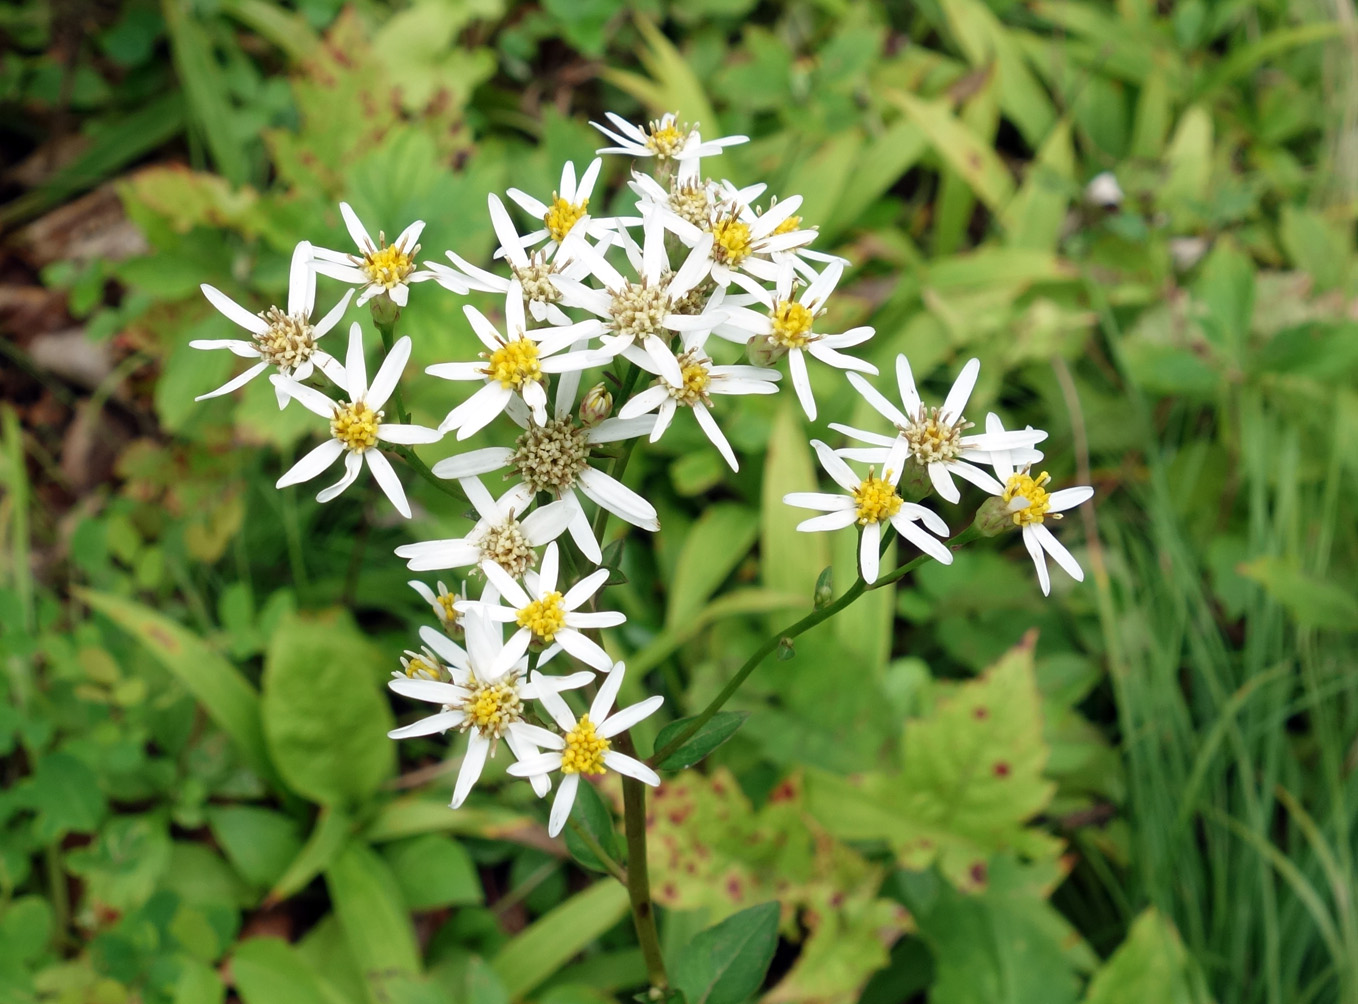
(199, 799)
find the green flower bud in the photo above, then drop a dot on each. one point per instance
(385, 311)
(994, 517)
(596, 405)
(915, 484)
(763, 351)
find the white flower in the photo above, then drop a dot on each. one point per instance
(555, 458)
(356, 425)
(788, 328)
(545, 615)
(485, 699)
(871, 501)
(934, 435)
(661, 139)
(518, 362)
(585, 747)
(378, 268)
(744, 241)
(643, 313)
(701, 379)
(536, 276)
(568, 212)
(1031, 505)
(498, 536)
(442, 602)
(421, 665)
(286, 340)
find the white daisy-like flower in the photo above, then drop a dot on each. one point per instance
(356, 425)
(935, 437)
(421, 665)
(701, 379)
(661, 138)
(377, 267)
(744, 243)
(499, 536)
(285, 340)
(555, 458)
(485, 700)
(871, 502)
(568, 212)
(788, 327)
(585, 747)
(1031, 505)
(545, 615)
(515, 363)
(644, 312)
(442, 603)
(536, 275)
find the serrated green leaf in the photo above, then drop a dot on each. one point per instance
(715, 731)
(323, 712)
(727, 963)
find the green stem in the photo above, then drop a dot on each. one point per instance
(792, 631)
(422, 469)
(629, 382)
(638, 870)
(388, 333)
(596, 848)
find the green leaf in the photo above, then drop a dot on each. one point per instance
(884, 160)
(1189, 158)
(332, 829)
(1317, 246)
(1317, 350)
(545, 945)
(1151, 965)
(25, 928)
(715, 544)
(592, 815)
(269, 971)
(715, 731)
(64, 794)
(205, 89)
(966, 153)
(432, 871)
(370, 910)
(790, 562)
(726, 964)
(259, 842)
(672, 86)
(822, 177)
(971, 777)
(227, 697)
(324, 714)
(1035, 216)
(1312, 602)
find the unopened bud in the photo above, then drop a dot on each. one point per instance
(385, 311)
(763, 351)
(825, 589)
(914, 484)
(994, 517)
(596, 405)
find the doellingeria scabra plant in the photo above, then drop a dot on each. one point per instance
(612, 328)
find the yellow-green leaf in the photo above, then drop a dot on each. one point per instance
(965, 152)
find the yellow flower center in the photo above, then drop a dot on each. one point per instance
(1028, 499)
(731, 240)
(791, 325)
(288, 343)
(584, 752)
(515, 364)
(876, 499)
(419, 668)
(446, 612)
(355, 425)
(665, 140)
(388, 266)
(934, 439)
(543, 617)
(492, 707)
(788, 225)
(694, 368)
(563, 215)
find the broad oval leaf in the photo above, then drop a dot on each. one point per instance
(592, 815)
(715, 731)
(726, 964)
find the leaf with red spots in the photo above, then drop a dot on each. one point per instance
(970, 779)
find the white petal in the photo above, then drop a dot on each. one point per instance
(930, 545)
(1034, 546)
(617, 498)
(829, 521)
(868, 557)
(801, 382)
(353, 463)
(938, 475)
(246, 350)
(561, 805)
(584, 589)
(333, 316)
(836, 468)
(607, 695)
(301, 281)
(388, 481)
(1068, 498)
(234, 311)
(632, 767)
(407, 435)
(714, 433)
(584, 649)
(627, 717)
(956, 401)
(355, 365)
(483, 461)
(390, 374)
(472, 763)
(441, 722)
(1057, 550)
(430, 555)
(239, 380)
(905, 383)
(312, 464)
(357, 231)
(823, 501)
(546, 523)
(311, 399)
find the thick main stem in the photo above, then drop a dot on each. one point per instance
(639, 873)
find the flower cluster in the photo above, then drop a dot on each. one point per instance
(660, 302)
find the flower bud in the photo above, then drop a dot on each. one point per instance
(914, 484)
(385, 311)
(763, 351)
(994, 517)
(596, 405)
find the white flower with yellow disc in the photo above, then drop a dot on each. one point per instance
(284, 339)
(663, 138)
(485, 700)
(357, 425)
(934, 436)
(1030, 505)
(568, 212)
(871, 501)
(585, 745)
(442, 603)
(547, 616)
(378, 267)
